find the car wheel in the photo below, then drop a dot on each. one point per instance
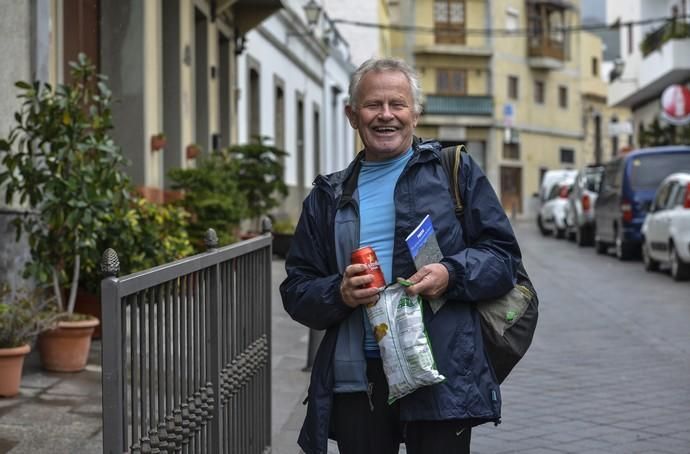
(571, 233)
(680, 271)
(560, 233)
(601, 247)
(649, 263)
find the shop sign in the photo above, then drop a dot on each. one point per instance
(675, 104)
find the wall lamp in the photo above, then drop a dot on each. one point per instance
(617, 71)
(312, 11)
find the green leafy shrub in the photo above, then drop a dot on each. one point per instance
(61, 161)
(260, 175)
(144, 234)
(212, 196)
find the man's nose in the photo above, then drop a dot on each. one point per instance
(385, 113)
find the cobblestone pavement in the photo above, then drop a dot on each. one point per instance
(608, 372)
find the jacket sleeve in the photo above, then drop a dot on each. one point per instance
(487, 267)
(310, 292)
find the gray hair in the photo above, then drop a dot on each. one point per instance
(386, 64)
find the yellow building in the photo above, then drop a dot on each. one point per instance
(505, 79)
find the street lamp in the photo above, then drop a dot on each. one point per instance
(312, 10)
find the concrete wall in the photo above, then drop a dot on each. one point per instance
(16, 51)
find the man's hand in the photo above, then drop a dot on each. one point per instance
(430, 281)
(351, 287)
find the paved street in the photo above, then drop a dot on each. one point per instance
(608, 372)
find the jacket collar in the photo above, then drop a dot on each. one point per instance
(345, 181)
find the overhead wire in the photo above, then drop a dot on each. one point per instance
(493, 32)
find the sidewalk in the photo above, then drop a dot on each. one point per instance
(60, 413)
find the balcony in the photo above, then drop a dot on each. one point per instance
(656, 39)
(545, 53)
(546, 41)
(459, 105)
(668, 64)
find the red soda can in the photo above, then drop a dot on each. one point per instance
(367, 256)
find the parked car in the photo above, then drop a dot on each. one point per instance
(580, 210)
(552, 213)
(550, 179)
(627, 190)
(666, 229)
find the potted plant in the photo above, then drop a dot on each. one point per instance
(283, 231)
(192, 151)
(212, 196)
(151, 234)
(260, 177)
(158, 141)
(22, 316)
(62, 163)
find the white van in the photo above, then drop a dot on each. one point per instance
(550, 179)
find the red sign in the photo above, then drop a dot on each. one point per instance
(675, 102)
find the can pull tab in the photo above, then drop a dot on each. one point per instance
(404, 282)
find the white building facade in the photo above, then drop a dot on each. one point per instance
(292, 88)
(650, 61)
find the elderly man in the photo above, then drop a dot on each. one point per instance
(377, 201)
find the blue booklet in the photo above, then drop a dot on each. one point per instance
(424, 248)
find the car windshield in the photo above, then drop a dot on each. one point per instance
(648, 171)
(593, 179)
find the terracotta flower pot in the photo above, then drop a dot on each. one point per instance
(66, 348)
(158, 142)
(11, 363)
(192, 151)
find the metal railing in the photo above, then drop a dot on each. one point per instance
(186, 352)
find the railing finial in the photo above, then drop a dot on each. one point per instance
(110, 263)
(266, 225)
(211, 239)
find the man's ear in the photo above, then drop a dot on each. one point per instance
(351, 116)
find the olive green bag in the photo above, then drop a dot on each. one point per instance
(508, 322)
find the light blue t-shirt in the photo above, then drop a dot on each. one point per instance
(376, 185)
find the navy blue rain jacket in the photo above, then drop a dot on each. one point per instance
(328, 230)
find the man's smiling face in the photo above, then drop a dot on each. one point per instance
(384, 115)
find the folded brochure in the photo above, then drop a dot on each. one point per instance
(424, 248)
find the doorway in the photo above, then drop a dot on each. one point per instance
(511, 189)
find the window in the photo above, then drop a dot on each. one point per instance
(567, 156)
(595, 66)
(511, 151)
(254, 104)
(563, 97)
(279, 127)
(539, 92)
(449, 21)
(512, 19)
(451, 81)
(513, 87)
(630, 39)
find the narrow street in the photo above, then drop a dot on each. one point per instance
(609, 368)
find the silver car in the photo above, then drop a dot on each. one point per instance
(666, 228)
(580, 210)
(552, 213)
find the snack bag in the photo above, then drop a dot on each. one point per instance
(408, 363)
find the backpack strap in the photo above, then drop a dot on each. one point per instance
(451, 159)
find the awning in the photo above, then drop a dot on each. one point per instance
(250, 13)
(558, 4)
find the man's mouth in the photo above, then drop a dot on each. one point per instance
(385, 129)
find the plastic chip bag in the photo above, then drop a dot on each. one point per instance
(396, 320)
